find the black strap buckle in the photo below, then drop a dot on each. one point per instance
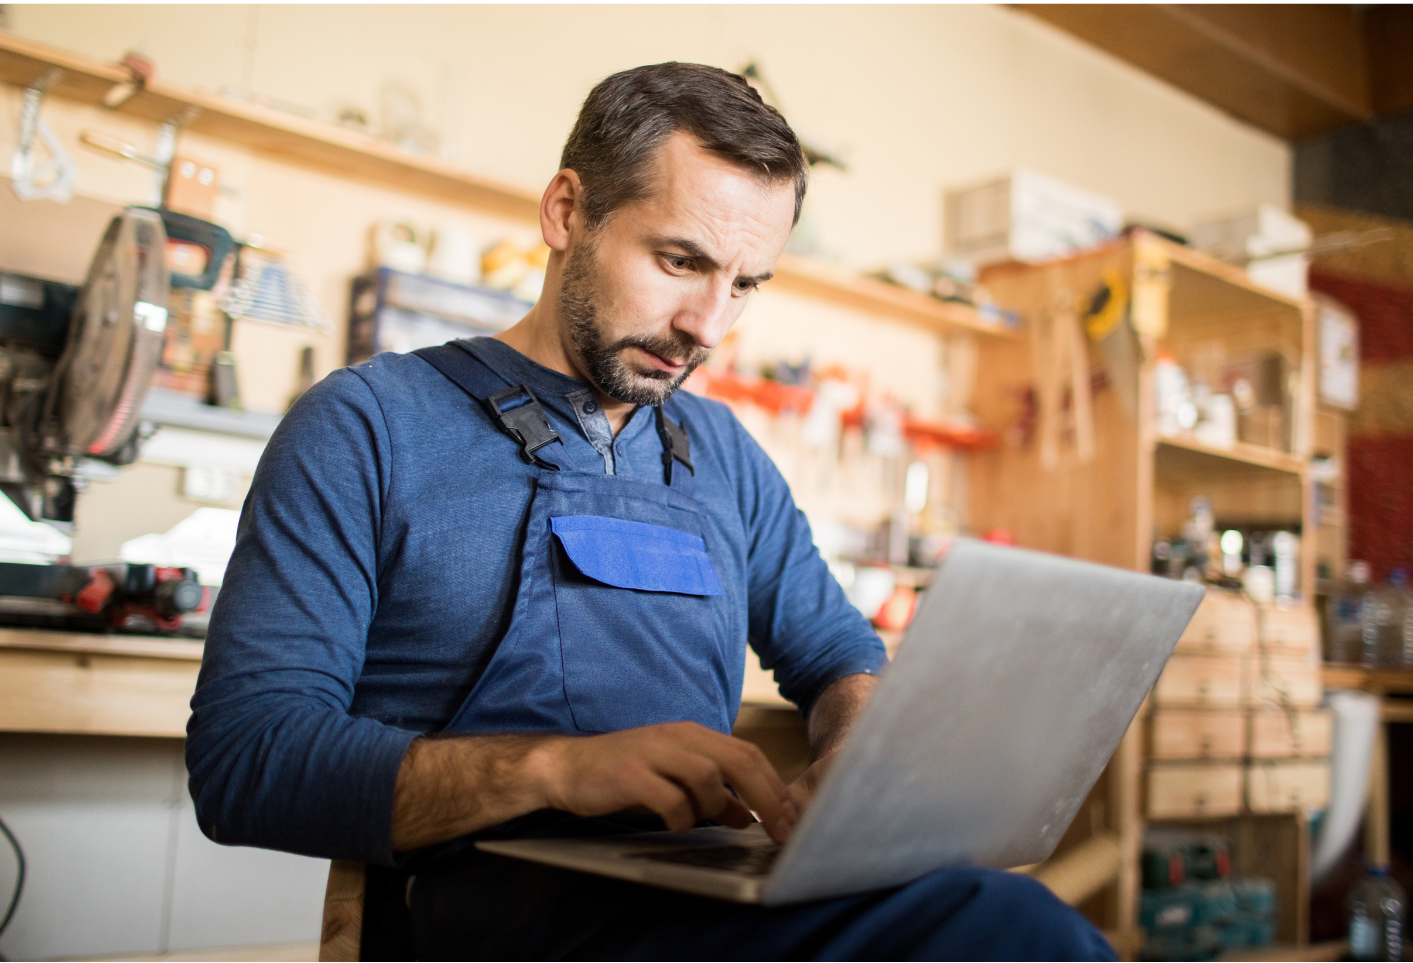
(525, 423)
(675, 444)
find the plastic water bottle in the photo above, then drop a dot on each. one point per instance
(1345, 616)
(1377, 912)
(1400, 639)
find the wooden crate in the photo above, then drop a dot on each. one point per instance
(1277, 734)
(1178, 734)
(1289, 631)
(1185, 791)
(1286, 787)
(1200, 680)
(1280, 680)
(1224, 622)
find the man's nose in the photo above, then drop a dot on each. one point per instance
(708, 314)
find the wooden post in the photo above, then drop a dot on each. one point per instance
(1376, 847)
(1128, 821)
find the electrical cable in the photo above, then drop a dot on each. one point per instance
(19, 876)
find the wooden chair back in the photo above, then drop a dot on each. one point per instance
(342, 934)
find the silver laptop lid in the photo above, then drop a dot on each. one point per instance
(1015, 682)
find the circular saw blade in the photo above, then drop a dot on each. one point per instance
(116, 336)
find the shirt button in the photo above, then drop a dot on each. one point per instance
(590, 407)
(618, 450)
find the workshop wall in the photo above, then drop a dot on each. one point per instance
(913, 97)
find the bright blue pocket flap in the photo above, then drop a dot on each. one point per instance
(635, 555)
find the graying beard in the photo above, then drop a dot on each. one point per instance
(609, 374)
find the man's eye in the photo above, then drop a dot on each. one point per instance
(745, 287)
(678, 262)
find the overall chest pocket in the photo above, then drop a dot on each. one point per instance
(637, 606)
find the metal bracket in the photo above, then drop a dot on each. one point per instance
(59, 171)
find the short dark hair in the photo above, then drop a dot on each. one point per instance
(628, 116)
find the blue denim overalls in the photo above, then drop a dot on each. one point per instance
(620, 617)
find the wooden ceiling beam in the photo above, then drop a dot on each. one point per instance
(1388, 29)
(1291, 69)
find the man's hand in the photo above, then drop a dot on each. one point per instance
(680, 770)
(833, 715)
(448, 787)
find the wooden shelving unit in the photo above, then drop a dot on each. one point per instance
(1108, 503)
(1177, 456)
(362, 156)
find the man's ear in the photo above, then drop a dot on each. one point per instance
(558, 207)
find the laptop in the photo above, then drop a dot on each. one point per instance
(1013, 685)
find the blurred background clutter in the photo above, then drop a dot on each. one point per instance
(1128, 283)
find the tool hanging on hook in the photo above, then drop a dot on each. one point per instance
(53, 179)
(1060, 354)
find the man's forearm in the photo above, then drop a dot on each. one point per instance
(836, 711)
(684, 772)
(448, 787)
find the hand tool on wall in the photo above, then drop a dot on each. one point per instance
(1060, 355)
(1108, 321)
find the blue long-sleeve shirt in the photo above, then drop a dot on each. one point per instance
(373, 574)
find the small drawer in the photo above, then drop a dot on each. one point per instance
(1292, 631)
(1199, 680)
(1224, 622)
(1276, 734)
(1280, 680)
(1197, 734)
(1177, 791)
(1287, 787)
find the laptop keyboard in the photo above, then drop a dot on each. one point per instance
(753, 860)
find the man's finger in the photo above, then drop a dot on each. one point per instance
(699, 777)
(759, 786)
(739, 760)
(735, 814)
(671, 802)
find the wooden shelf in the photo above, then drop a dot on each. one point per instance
(867, 294)
(1205, 287)
(362, 156)
(1178, 457)
(94, 643)
(1344, 675)
(278, 133)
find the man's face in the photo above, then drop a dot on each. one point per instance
(644, 299)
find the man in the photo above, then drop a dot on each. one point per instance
(505, 586)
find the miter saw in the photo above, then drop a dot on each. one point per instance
(64, 412)
(75, 368)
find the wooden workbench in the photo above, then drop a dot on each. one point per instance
(75, 682)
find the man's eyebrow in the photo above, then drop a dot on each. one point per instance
(695, 251)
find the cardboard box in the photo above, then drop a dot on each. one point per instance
(1249, 237)
(1028, 217)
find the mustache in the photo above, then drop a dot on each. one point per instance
(682, 349)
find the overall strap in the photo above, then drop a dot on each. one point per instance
(676, 446)
(524, 421)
